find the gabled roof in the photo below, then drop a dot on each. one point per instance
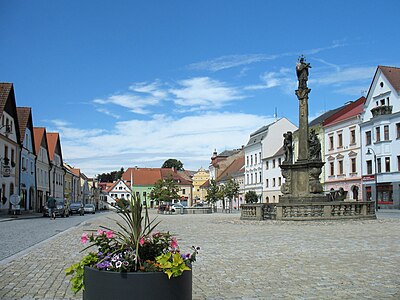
(109, 189)
(205, 185)
(76, 172)
(393, 75)
(25, 121)
(258, 135)
(5, 90)
(351, 110)
(7, 103)
(53, 140)
(232, 170)
(40, 137)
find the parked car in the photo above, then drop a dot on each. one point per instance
(76, 208)
(62, 208)
(89, 208)
(177, 207)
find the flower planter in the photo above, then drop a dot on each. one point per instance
(136, 285)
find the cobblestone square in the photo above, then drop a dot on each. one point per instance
(241, 259)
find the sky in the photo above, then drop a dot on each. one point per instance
(134, 83)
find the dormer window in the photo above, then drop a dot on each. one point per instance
(381, 84)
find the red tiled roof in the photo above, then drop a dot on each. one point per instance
(23, 114)
(38, 133)
(393, 75)
(205, 184)
(142, 176)
(351, 110)
(76, 172)
(52, 139)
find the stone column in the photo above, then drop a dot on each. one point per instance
(302, 95)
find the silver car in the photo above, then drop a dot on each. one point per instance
(89, 208)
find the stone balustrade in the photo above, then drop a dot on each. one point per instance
(308, 211)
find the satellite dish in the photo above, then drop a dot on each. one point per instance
(15, 199)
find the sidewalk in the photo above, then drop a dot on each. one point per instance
(5, 217)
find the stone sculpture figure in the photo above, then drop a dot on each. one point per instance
(288, 147)
(314, 146)
(302, 72)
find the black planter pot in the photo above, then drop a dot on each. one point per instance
(137, 285)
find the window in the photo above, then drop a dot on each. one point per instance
(251, 159)
(340, 167)
(255, 158)
(379, 165)
(352, 136)
(377, 134)
(259, 155)
(251, 176)
(260, 177)
(387, 164)
(369, 167)
(273, 181)
(398, 163)
(23, 164)
(266, 164)
(279, 181)
(331, 142)
(340, 140)
(12, 157)
(248, 182)
(279, 161)
(368, 139)
(266, 183)
(273, 163)
(183, 191)
(353, 165)
(383, 101)
(331, 169)
(386, 132)
(247, 160)
(398, 130)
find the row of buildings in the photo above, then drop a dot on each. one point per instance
(31, 162)
(360, 145)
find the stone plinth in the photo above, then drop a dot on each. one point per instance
(333, 210)
(302, 181)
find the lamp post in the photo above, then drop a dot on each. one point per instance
(375, 176)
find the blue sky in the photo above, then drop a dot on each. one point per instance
(137, 82)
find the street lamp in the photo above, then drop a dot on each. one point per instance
(375, 176)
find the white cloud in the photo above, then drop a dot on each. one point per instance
(204, 93)
(340, 76)
(231, 61)
(107, 112)
(284, 78)
(150, 142)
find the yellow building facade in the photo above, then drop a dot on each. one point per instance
(199, 178)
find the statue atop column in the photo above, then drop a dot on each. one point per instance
(302, 72)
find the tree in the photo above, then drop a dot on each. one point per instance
(230, 190)
(251, 197)
(213, 193)
(165, 190)
(173, 163)
(110, 177)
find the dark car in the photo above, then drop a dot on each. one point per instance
(62, 208)
(76, 208)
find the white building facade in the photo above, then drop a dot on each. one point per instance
(343, 151)
(380, 136)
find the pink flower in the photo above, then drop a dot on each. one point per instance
(141, 242)
(109, 234)
(100, 232)
(84, 238)
(174, 243)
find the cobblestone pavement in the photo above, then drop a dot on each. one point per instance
(241, 259)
